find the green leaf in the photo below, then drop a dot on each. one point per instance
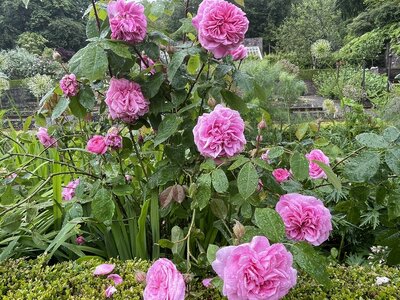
(299, 166)
(151, 87)
(244, 81)
(391, 134)
(118, 48)
(240, 160)
(193, 64)
(302, 130)
(212, 253)
(219, 181)
(8, 251)
(177, 235)
(168, 127)
(372, 140)
(203, 193)
(219, 208)
(262, 164)
(392, 159)
(103, 205)
(311, 262)
(394, 205)
(240, 2)
(234, 101)
(123, 190)
(247, 180)
(276, 152)
(11, 221)
(60, 108)
(87, 98)
(164, 243)
(76, 108)
(363, 167)
(332, 178)
(90, 62)
(176, 62)
(208, 165)
(270, 223)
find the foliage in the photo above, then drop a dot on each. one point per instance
(348, 83)
(4, 83)
(31, 41)
(60, 22)
(320, 52)
(309, 21)
(19, 64)
(74, 280)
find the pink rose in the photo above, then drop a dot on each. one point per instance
(97, 145)
(104, 269)
(313, 169)
(147, 62)
(69, 85)
(281, 175)
(207, 282)
(80, 240)
(255, 270)
(305, 217)
(110, 290)
(69, 191)
(113, 139)
(220, 133)
(125, 100)
(127, 21)
(239, 53)
(164, 281)
(45, 139)
(221, 26)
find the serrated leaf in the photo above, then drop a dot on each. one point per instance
(240, 160)
(193, 64)
(151, 87)
(332, 178)
(363, 167)
(299, 166)
(270, 223)
(311, 262)
(103, 205)
(392, 159)
(219, 181)
(168, 127)
(176, 62)
(247, 180)
(207, 165)
(234, 101)
(87, 98)
(262, 164)
(302, 130)
(61, 106)
(372, 140)
(391, 134)
(219, 208)
(276, 152)
(118, 48)
(203, 192)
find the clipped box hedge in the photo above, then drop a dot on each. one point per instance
(34, 279)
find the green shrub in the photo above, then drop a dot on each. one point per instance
(32, 41)
(35, 279)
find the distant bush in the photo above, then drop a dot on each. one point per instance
(32, 41)
(19, 63)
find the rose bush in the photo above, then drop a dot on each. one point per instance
(181, 168)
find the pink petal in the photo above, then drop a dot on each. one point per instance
(110, 290)
(116, 278)
(104, 269)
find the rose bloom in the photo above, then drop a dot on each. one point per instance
(113, 139)
(69, 192)
(164, 282)
(45, 139)
(80, 240)
(127, 21)
(305, 217)
(255, 270)
(125, 100)
(97, 145)
(221, 26)
(239, 53)
(314, 170)
(219, 133)
(281, 175)
(69, 85)
(264, 157)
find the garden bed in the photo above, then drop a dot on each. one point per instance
(34, 279)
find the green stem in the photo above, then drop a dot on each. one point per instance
(138, 154)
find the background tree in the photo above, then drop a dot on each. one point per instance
(309, 21)
(59, 21)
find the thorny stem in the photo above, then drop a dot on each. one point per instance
(347, 157)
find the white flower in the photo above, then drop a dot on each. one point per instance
(381, 280)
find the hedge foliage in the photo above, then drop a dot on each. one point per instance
(35, 279)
